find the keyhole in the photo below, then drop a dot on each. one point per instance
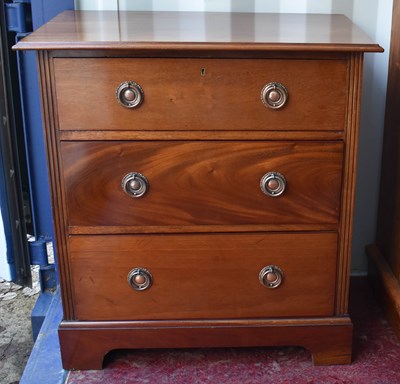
(203, 72)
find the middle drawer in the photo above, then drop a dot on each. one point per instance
(202, 183)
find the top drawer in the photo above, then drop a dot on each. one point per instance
(200, 94)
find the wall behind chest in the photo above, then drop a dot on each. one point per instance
(375, 20)
(280, 6)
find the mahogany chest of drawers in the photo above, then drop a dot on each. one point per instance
(202, 170)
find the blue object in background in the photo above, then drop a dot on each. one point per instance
(22, 17)
(44, 364)
(40, 11)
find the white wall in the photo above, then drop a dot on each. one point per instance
(283, 6)
(374, 17)
(4, 268)
(375, 20)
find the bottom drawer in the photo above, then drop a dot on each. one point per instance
(203, 276)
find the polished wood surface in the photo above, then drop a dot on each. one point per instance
(199, 31)
(200, 183)
(386, 286)
(203, 276)
(179, 96)
(385, 254)
(388, 229)
(212, 141)
(201, 135)
(86, 343)
(349, 182)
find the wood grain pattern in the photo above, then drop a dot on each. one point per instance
(201, 135)
(201, 182)
(385, 254)
(386, 285)
(178, 97)
(388, 228)
(199, 31)
(205, 229)
(220, 54)
(349, 183)
(86, 343)
(203, 276)
(232, 228)
(49, 111)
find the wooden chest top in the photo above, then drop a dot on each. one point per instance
(110, 30)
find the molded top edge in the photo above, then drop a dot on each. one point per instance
(127, 30)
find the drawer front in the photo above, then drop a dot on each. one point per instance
(203, 276)
(200, 94)
(206, 183)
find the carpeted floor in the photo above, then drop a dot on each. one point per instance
(376, 359)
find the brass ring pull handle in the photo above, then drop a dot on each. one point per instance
(273, 184)
(274, 95)
(271, 276)
(130, 94)
(140, 279)
(135, 184)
